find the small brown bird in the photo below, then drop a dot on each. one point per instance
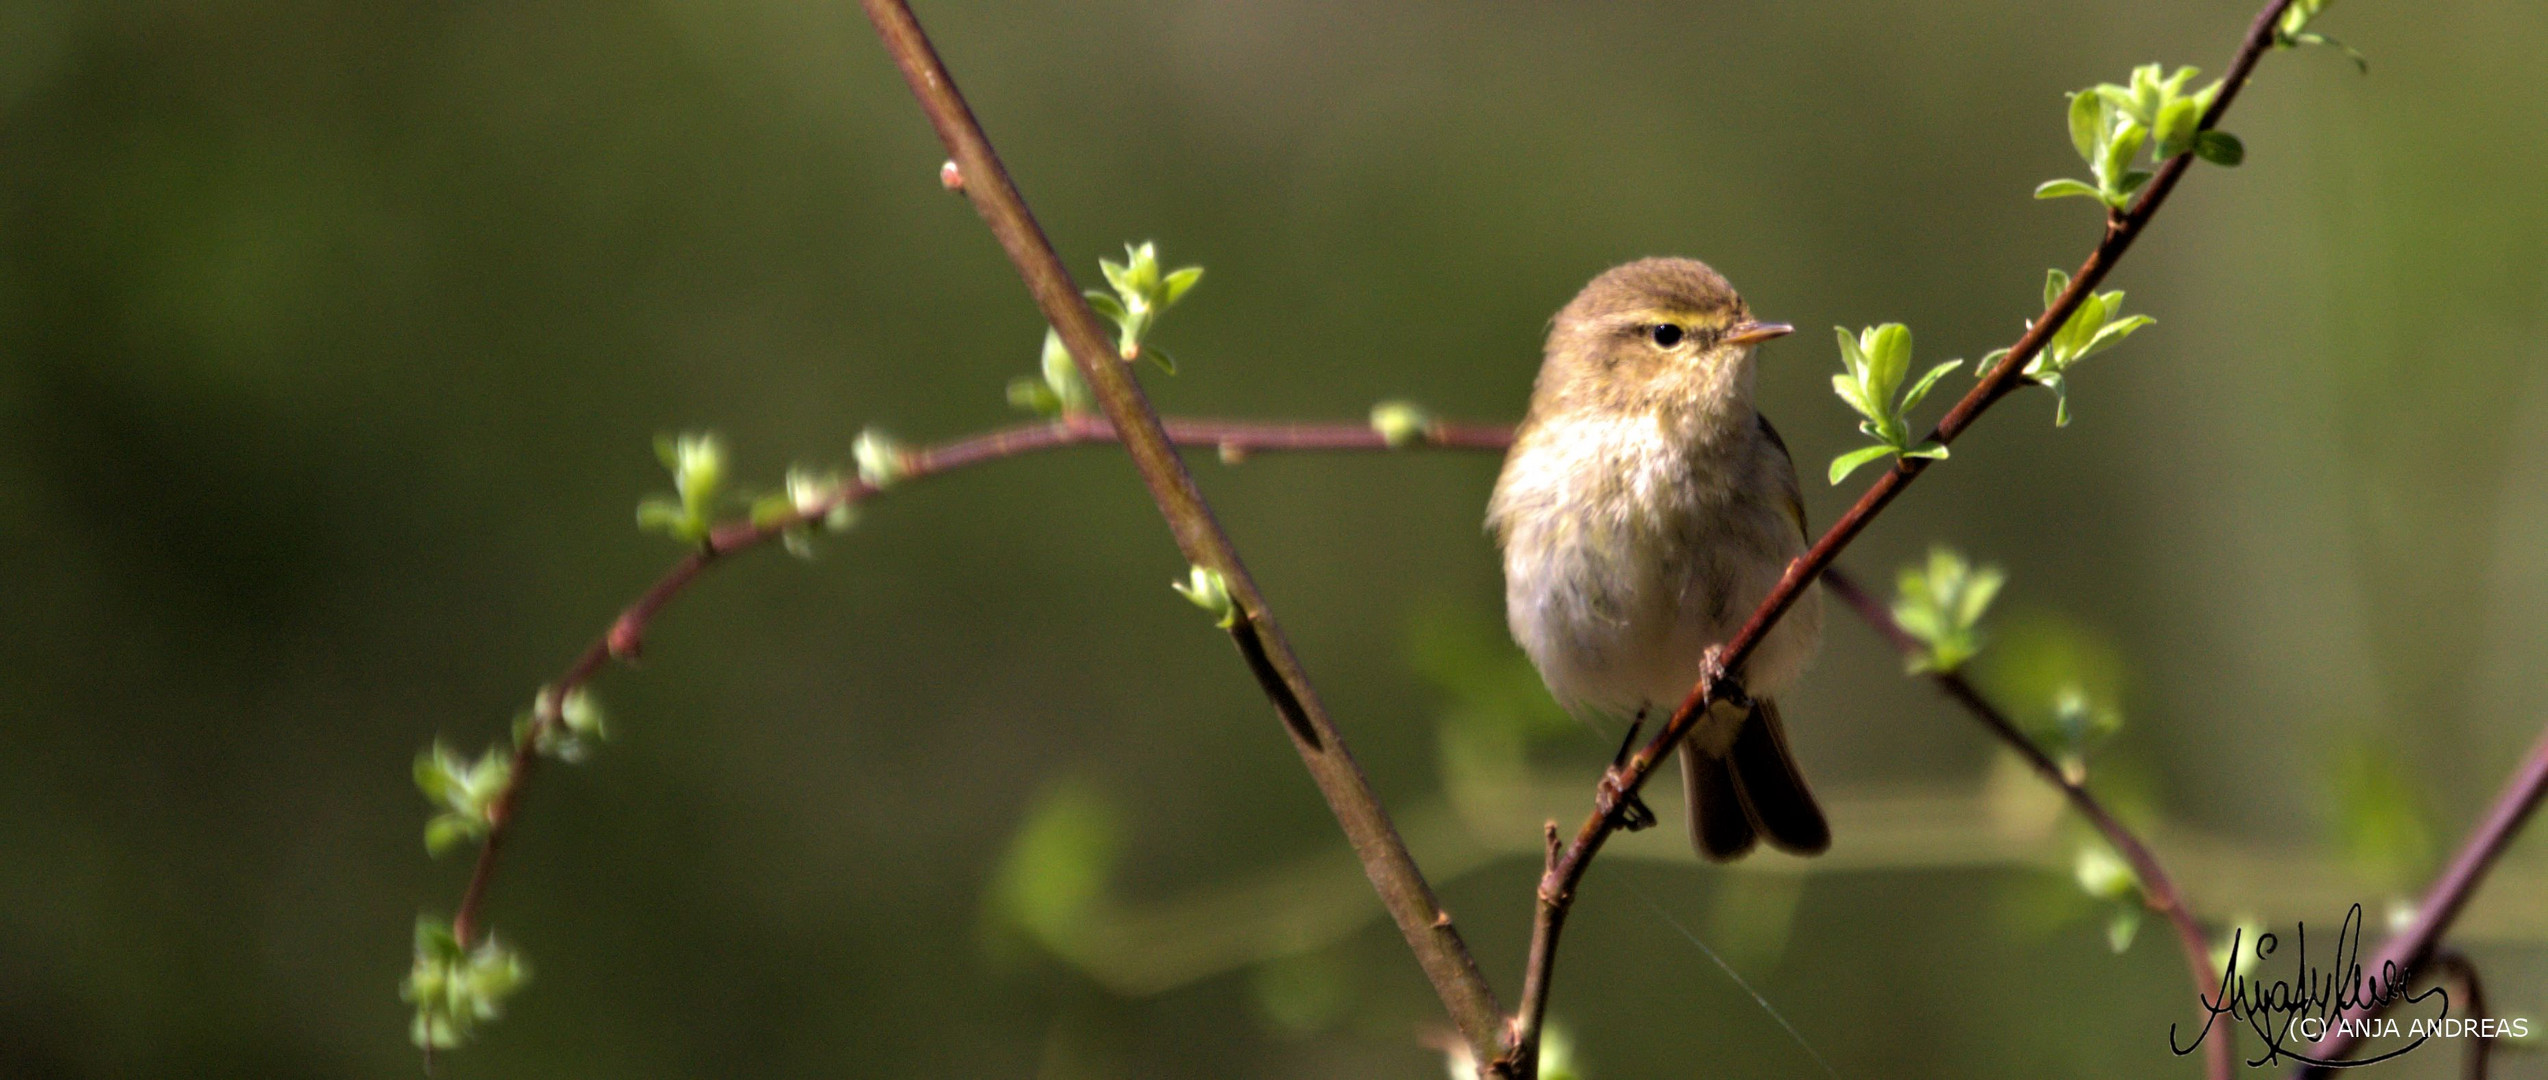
(1644, 510)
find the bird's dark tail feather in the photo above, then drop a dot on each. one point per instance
(1754, 792)
(1718, 826)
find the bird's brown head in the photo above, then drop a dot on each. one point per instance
(1651, 335)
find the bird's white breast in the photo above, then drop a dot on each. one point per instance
(1628, 552)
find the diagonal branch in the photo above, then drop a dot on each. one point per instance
(2157, 889)
(1403, 890)
(1619, 787)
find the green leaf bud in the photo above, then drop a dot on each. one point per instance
(882, 462)
(1208, 590)
(1401, 423)
(2103, 874)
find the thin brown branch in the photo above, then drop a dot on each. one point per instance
(1393, 872)
(626, 635)
(2158, 890)
(1619, 786)
(2411, 949)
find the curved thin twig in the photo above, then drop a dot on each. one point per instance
(626, 634)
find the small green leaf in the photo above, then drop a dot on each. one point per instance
(1142, 269)
(2148, 94)
(1061, 377)
(2361, 63)
(1178, 283)
(433, 772)
(1105, 303)
(2087, 119)
(657, 513)
(2063, 189)
(2296, 17)
(698, 468)
(1851, 356)
(447, 831)
(1888, 349)
(1848, 463)
(1117, 275)
(2220, 148)
(697, 464)
(1932, 450)
(2113, 333)
(1979, 591)
(2293, 31)
(1911, 399)
(2074, 334)
(2121, 927)
(1854, 394)
(769, 510)
(435, 939)
(2175, 129)
(1029, 394)
(2124, 147)
(2055, 283)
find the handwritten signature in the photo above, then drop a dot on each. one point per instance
(2314, 1003)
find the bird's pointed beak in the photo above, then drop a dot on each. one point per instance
(1753, 332)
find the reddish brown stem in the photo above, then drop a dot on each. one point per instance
(1620, 784)
(1394, 875)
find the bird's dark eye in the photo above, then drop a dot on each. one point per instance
(1665, 335)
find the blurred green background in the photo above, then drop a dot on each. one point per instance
(333, 337)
